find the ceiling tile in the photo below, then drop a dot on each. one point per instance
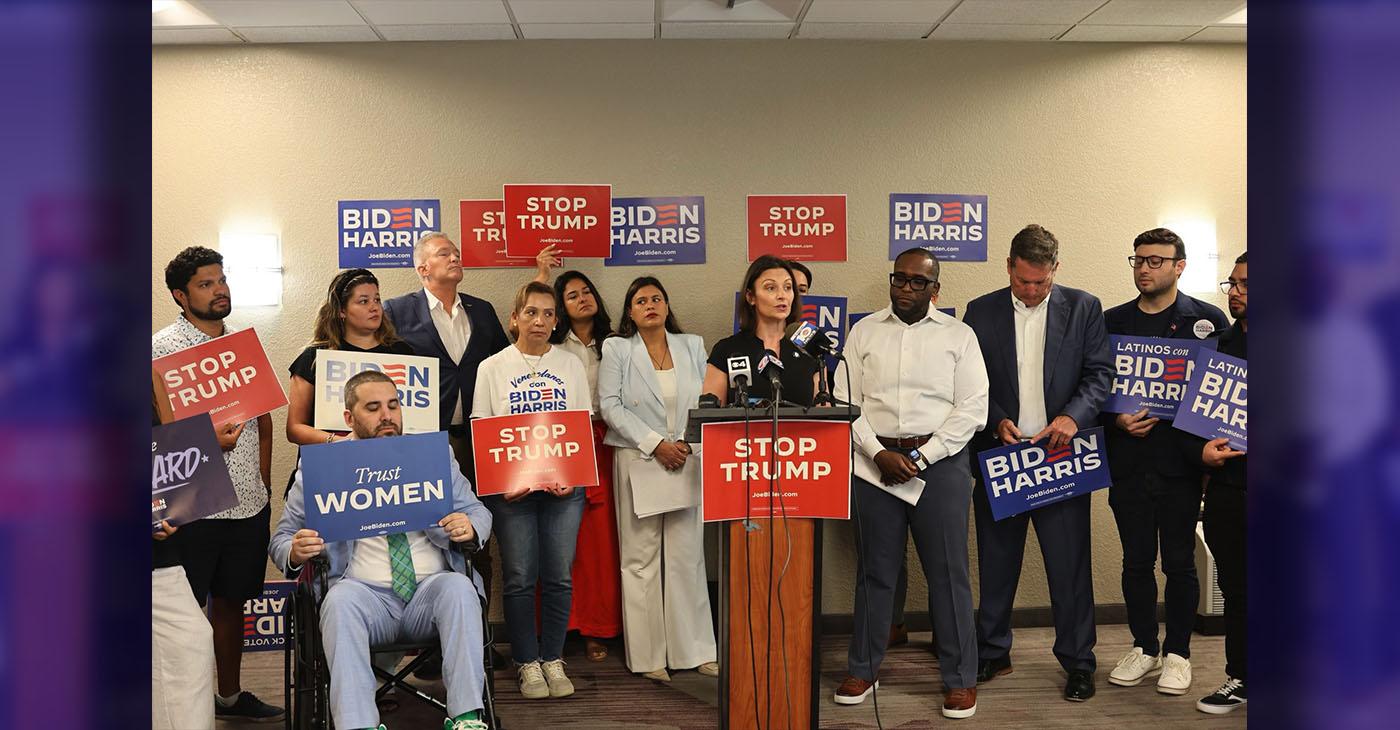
(170, 36)
(448, 32)
(997, 32)
(1233, 34)
(432, 12)
(270, 13)
(877, 11)
(310, 34)
(588, 30)
(726, 30)
(864, 30)
(584, 11)
(1164, 12)
(1024, 12)
(1129, 33)
(716, 10)
(180, 15)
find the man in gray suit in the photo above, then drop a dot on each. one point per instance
(1049, 367)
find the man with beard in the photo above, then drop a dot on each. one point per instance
(918, 377)
(1156, 493)
(1049, 366)
(225, 553)
(1225, 512)
(407, 586)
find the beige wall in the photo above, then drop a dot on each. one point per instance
(1095, 141)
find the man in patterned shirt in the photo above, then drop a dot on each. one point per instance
(225, 554)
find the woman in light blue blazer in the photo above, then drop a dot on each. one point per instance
(648, 380)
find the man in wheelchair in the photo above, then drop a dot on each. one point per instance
(403, 587)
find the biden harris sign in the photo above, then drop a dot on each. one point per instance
(382, 233)
(380, 486)
(415, 379)
(1151, 373)
(1024, 476)
(1216, 402)
(952, 227)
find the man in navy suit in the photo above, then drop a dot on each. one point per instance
(458, 329)
(1049, 367)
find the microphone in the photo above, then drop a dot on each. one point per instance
(772, 366)
(809, 340)
(739, 376)
(709, 400)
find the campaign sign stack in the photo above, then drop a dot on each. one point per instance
(189, 478)
(1023, 476)
(1216, 403)
(380, 486)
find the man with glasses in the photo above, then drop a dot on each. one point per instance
(1156, 491)
(1225, 512)
(1050, 369)
(918, 378)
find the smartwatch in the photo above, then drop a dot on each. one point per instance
(917, 457)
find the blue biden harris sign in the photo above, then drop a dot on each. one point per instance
(1021, 477)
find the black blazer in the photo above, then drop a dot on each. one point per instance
(1158, 451)
(410, 316)
(1078, 366)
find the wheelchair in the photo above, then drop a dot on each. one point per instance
(306, 674)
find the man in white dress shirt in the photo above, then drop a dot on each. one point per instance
(918, 378)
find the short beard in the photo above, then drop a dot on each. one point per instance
(210, 315)
(373, 432)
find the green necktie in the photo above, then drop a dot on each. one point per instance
(405, 580)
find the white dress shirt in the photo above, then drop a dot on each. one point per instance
(455, 329)
(371, 561)
(912, 380)
(590, 359)
(1030, 364)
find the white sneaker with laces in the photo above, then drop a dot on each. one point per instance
(1176, 675)
(1133, 667)
(559, 683)
(532, 684)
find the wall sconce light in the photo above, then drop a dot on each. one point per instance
(253, 265)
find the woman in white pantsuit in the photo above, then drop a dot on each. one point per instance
(648, 380)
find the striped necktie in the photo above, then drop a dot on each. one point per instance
(405, 580)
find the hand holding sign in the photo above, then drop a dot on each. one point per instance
(1007, 432)
(545, 260)
(1217, 451)
(306, 544)
(1137, 424)
(1060, 430)
(228, 435)
(458, 527)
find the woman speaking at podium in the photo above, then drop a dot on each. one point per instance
(648, 381)
(769, 302)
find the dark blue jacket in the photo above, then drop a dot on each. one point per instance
(1078, 368)
(1157, 452)
(410, 316)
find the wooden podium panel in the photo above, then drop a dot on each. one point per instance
(752, 674)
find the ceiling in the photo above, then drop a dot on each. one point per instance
(303, 21)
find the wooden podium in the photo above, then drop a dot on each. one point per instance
(769, 630)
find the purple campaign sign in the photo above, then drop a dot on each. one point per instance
(1216, 402)
(382, 233)
(647, 231)
(381, 486)
(189, 478)
(1022, 477)
(953, 227)
(1151, 373)
(265, 617)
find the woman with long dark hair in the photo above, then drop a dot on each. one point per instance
(770, 302)
(649, 379)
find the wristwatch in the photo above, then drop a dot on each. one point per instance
(917, 457)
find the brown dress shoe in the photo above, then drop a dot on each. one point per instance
(854, 690)
(898, 635)
(959, 703)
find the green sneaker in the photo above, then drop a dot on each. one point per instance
(465, 721)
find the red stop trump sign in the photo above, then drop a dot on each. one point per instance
(802, 227)
(575, 218)
(806, 470)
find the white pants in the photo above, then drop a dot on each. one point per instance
(665, 603)
(182, 655)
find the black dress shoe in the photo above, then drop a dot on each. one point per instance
(1080, 685)
(991, 668)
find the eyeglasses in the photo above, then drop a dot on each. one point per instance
(1242, 286)
(1153, 262)
(916, 283)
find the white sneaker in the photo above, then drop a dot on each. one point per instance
(1133, 667)
(559, 684)
(532, 684)
(1176, 675)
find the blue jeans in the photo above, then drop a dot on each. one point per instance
(537, 535)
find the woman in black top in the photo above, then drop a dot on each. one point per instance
(769, 302)
(351, 319)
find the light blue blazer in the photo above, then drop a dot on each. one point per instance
(630, 395)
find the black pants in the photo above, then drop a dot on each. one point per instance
(1155, 511)
(1225, 535)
